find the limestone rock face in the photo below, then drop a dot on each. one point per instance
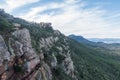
(18, 49)
(48, 42)
(23, 56)
(68, 66)
(22, 46)
(54, 53)
(60, 55)
(23, 43)
(43, 73)
(4, 54)
(53, 61)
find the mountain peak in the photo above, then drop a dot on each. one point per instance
(79, 38)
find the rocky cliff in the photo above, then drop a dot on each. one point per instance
(20, 61)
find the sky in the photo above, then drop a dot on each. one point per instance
(88, 18)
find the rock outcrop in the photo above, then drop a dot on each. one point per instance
(19, 59)
(22, 41)
(5, 55)
(60, 54)
(22, 47)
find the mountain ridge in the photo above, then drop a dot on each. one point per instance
(105, 40)
(34, 51)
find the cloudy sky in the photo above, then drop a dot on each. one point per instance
(89, 18)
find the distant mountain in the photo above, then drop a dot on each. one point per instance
(105, 40)
(79, 38)
(85, 41)
(114, 44)
(96, 40)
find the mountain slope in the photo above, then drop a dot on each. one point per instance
(79, 39)
(112, 48)
(38, 52)
(94, 64)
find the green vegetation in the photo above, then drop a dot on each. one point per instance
(94, 65)
(60, 75)
(60, 58)
(5, 26)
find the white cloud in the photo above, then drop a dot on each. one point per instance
(73, 17)
(10, 5)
